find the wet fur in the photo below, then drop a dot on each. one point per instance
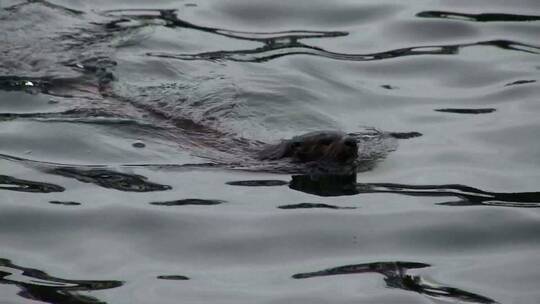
(320, 146)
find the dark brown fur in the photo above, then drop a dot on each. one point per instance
(320, 146)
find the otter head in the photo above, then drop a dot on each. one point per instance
(323, 146)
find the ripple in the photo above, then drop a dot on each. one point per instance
(171, 20)
(173, 277)
(271, 51)
(344, 185)
(35, 284)
(258, 183)
(82, 116)
(485, 17)
(404, 135)
(110, 179)
(314, 64)
(65, 203)
(285, 43)
(21, 185)
(389, 87)
(321, 185)
(45, 3)
(469, 196)
(189, 202)
(312, 206)
(395, 276)
(388, 268)
(467, 111)
(83, 87)
(519, 82)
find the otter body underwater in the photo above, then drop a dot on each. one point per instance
(203, 120)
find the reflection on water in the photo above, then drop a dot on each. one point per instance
(189, 201)
(325, 185)
(518, 82)
(60, 87)
(171, 20)
(15, 184)
(339, 185)
(468, 196)
(65, 203)
(258, 183)
(466, 111)
(279, 44)
(99, 175)
(395, 276)
(173, 277)
(486, 17)
(47, 4)
(317, 184)
(39, 286)
(200, 83)
(110, 179)
(293, 47)
(312, 206)
(15, 83)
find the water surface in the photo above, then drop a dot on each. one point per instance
(126, 127)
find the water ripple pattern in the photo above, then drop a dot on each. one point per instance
(185, 151)
(278, 44)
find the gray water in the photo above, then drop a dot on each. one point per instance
(126, 128)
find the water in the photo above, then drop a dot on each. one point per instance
(126, 133)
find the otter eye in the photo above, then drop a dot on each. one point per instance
(350, 143)
(325, 142)
(295, 144)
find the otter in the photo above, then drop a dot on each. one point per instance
(319, 146)
(331, 152)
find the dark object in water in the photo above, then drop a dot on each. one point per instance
(312, 206)
(21, 185)
(468, 196)
(518, 82)
(325, 185)
(189, 201)
(258, 183)
(484, 17)
(317, 184)
(173, 277)
(339, 185)
(110, 179)
(467, 111)
(36, 285)
(396, 276)
(65, 203)
(404, 135)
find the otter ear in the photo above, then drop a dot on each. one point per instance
(277, 151)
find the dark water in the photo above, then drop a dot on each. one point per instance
(126, 129)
